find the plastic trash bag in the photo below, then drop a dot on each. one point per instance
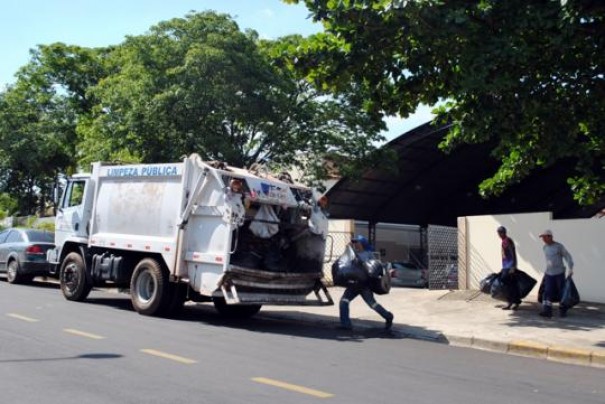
(525, 283)
(553, 299)
(381, 285)
(265, 223)
(346, 269)
(486, 283)
(380, 279)
(374, 268)
(499, 290)
(318, 222)
(570, 296)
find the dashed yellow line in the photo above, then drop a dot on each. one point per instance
(24, 318)
(82, 333)
(293, 387)
(165, 355)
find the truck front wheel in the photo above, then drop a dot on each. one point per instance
(149, 288)
(74, 283)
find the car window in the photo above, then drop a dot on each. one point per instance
(14, 237)
(40, 236)
(75, 194)
(3, 235)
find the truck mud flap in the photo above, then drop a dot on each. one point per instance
(247, 286)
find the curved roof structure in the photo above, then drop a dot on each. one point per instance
(432, 187)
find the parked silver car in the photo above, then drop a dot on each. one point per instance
(23, 253)
(407, 274)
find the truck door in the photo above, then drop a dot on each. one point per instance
(73, 216)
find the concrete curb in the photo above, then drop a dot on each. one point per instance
(556, 353)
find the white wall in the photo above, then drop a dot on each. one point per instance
(583, 238)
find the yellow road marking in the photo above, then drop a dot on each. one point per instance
(82, 333)
(20, 317)
(165, 355)
(292, 387)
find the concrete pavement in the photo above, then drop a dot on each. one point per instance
(472, 319)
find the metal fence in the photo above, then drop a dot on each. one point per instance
(335, 247)
(442, 254)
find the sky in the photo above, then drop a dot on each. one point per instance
(24, 24)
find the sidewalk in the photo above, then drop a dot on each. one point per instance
(472, 319)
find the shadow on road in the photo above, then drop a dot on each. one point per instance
(83, 356)
(288, 323)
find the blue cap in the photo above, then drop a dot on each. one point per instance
(363, 241)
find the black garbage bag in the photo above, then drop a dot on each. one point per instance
(525, 282)
(346, 269)
(499, 290)
(553, 299)
(486, 283)
(374, 268)
(380, 279)
(570, 296)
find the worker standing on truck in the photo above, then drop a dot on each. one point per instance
(364, 252)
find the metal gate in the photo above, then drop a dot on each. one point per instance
(442, 253)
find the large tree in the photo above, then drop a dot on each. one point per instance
(200, 84)
(528, 74)
(38, 119)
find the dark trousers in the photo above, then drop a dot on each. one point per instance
(553, 288)
(509, 279)
(350, 293)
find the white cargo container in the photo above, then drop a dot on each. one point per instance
(191, 231)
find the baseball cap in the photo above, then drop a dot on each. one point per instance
(359, 238)
(546, 233)
(362, 240)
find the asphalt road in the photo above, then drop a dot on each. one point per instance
(55, 351)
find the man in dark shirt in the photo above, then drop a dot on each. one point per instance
(509, 265)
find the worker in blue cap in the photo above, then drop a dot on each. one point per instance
(364, 251)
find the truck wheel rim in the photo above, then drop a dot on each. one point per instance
(71, 276)
(145, 287)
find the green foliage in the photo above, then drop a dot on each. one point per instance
(528, 74)
(193, 84)
(47, 226)
(199, 84)
(8, 205)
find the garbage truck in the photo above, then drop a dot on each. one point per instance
(191, 231)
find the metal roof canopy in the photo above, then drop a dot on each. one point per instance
(433, 187)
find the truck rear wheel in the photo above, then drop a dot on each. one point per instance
(235, 310)
(149, 288)
(74, 282)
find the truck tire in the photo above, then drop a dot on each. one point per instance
(235, 311)
(75, 284)
(149, 288)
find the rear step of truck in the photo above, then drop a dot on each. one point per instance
(251, 286)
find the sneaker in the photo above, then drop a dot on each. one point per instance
(389, 322)
(515, 306)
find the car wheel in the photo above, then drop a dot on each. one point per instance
(12, 273)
